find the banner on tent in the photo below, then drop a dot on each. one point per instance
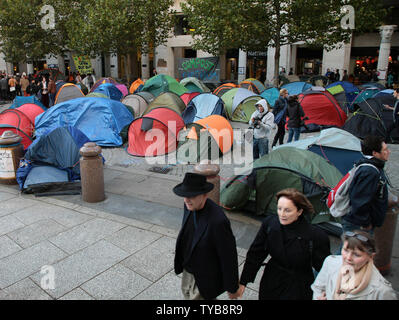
(204, 69)
(83, 64)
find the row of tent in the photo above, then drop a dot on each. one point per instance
(198, 122)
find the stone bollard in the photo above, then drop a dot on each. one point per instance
(11, 151)
(92, 173)
(211, 172)
(385, 235)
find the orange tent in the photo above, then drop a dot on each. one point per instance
(206, 138)
(222, 89)
(135, 85)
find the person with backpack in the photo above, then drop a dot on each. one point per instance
(295, 246)
(295, 114)
(262, 121)
(368, 191)
(279, 112)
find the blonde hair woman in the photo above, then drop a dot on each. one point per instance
(353, 275)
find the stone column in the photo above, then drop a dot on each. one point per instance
(211, 171)
(29, 69)
(242, 65)
(145, 66)
(114, 65)
(385, 49)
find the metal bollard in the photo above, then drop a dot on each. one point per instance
(92, 173)
(211, 172)
(11, 151)
(385, 235)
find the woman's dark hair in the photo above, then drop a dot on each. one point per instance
(298, 198)
(355, 243)
(370, 144)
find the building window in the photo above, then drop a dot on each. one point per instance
(181, 25)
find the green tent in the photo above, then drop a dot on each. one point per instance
(169, 100)
(194, 85)
(96, 95)
(163, 83)
(283, 168)
(239, 104)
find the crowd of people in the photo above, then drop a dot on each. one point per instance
(42, 85)
(296, 254)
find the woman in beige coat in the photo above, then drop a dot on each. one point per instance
(353, 275)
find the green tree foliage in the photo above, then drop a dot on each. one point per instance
(255, 25)
(90, 27)
(20, 32)
(119, 26)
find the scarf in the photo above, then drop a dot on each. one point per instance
(352, 283)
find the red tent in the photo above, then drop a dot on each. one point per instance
(155, 133)
(18, 122)
(31, 110)
(187, 97)
(322, 109)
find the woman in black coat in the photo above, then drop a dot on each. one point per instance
(295, 246)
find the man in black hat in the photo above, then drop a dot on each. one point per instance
(206, 250)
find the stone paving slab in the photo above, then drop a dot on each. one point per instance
(117, 283)
(166, 288)
(132, 239)
(84, 235)
(8, 247)
(28, 261)
(15, 204)
(82, 266)
(9, 224)
(145, 190)
(36, 232)
(43, 211)
(154, 261)
(25, 289)
(77, 294)
(6, 196)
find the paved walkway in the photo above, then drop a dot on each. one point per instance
(93, 254)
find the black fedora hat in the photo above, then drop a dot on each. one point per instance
(193, 185)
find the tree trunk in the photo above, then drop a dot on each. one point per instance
(277, 41)
(277, 65)
(126, 67)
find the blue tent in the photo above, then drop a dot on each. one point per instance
(366, 94)
(271, 95)
(19, 101)
(59, 84)
(339, 147)
(372, 85)
(52, 158)
(202, 106)
(351, 91)
(296, 87)
(100, 119)
(382, 92)
(110, 90)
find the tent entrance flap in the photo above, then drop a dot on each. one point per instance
(147, 124)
